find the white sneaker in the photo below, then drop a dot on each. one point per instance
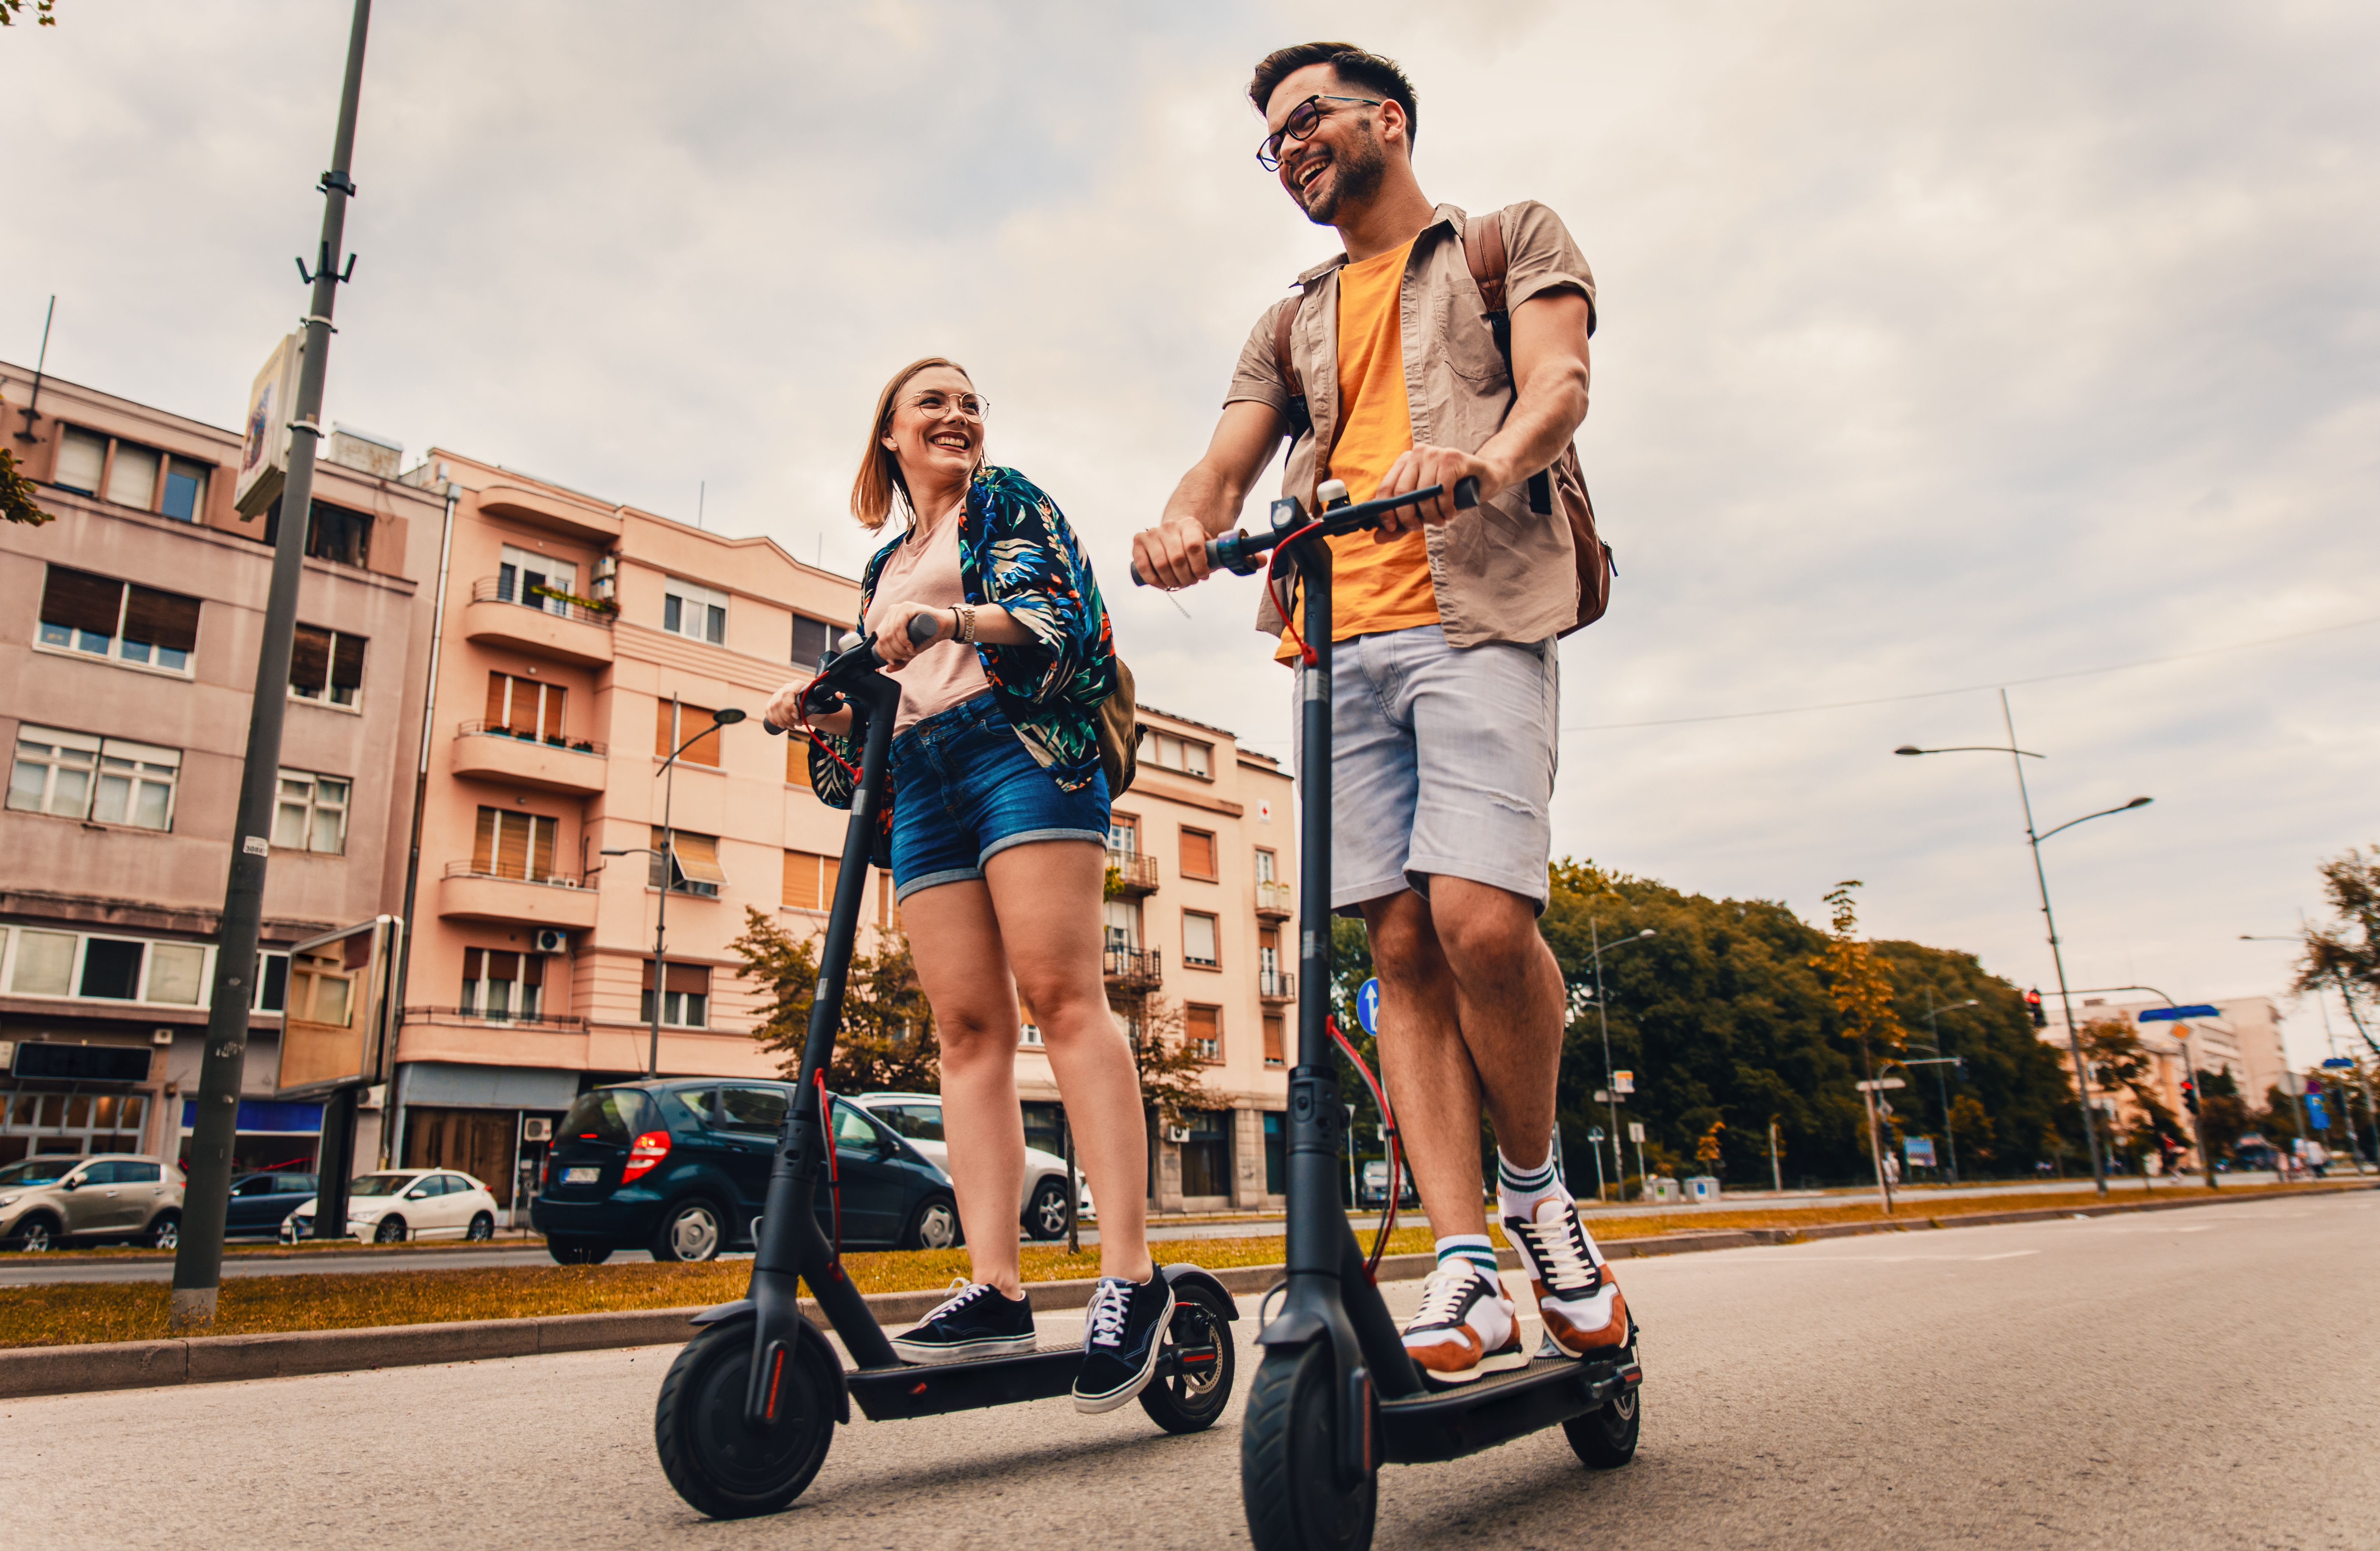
(1467, 1326)
(1577, 1295)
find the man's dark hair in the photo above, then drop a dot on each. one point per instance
(1370, 73)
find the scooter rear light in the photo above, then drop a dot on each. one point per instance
(644, 1152)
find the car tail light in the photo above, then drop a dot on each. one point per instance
(644, 1152)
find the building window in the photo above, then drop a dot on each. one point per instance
(1123, 834)
(1203, 1027)
(1045, 1126)
(887, 910)
(499, 984)
(1266, 865)
(320, 989)
(813, 639)
(1275, 1040)
(797, 761)
(1199, 854)
(1123, 924)
(695, 612)
(511, 844)
(525, 707)
(139, 477)
(809, 880)
(108, 969)
(311, 813)
(693, 863)
(326, 667)
(81, 612)
(104, 780)
(674, 722)
(1198, 947)
(1206, 1156)
(336, 533)
(1185, 754)
(687, 1004)
(532, 580)
(272, 981)
(1276, 1147)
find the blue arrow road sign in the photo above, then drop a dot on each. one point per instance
(1367, 1008)
(2169, 1015)
(2316, 1115)
(2339, 1062)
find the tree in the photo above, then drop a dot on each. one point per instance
(886, 1040)
(17, 494)
(2223, 1119)
(1173, 1072)
(1707, 1149)
(1970, 1129)
(43, 15)
(2347, 954)
(1861, 991)
(2111, 1049)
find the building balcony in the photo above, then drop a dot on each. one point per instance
(1275, 901)
(1277, 985)
(470, 892)
(556, 514)
(1134, 874)
(466, 1019)
(1133, 971)
(564, 632)
(492, 752)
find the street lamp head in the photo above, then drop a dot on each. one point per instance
(615, 850)
(1909, 749)
(1646, 933)
(2140, 803)
(731, 716)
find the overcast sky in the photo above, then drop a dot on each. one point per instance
(1941, 347)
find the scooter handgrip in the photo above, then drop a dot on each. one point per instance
(1466, 492)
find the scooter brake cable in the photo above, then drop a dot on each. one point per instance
(834, 1173)
(1395, 1148)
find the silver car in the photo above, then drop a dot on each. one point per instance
(46, 1202)
(1042, 1214)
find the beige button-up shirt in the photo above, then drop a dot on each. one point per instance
(1502, 572)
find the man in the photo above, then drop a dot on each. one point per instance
(1442, 639)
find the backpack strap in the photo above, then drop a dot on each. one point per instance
(1301, 421)
(1483, 250)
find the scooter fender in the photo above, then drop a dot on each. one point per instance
(1182, 1274)
(810, 1347)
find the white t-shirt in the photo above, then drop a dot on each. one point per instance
(948, 673)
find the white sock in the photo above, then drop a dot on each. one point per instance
(1518, 1189)
(1475, 1248)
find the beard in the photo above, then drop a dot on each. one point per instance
(1352, 175)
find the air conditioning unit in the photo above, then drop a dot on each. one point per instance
(1177, 1133)
(537, 1129)
(372, 1097)
(552, 940)
(161, 1036)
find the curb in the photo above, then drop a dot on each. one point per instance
(26, 1372)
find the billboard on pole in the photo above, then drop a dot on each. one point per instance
(334, 1032)
(265, 445)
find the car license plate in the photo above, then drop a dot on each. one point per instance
(587, 1176)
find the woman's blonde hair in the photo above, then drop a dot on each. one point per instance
(879, 470)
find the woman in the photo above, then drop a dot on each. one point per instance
(999, 830)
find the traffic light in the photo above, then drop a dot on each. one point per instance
(2032, 1006)
(2189, 1094)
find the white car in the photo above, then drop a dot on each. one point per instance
(919, 1119)
(409, 1204)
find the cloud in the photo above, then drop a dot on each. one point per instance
(1938, 346)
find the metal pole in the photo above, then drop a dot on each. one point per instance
(198, 1263)
(660, 912)
(2057, 959)
(1610, 1084)
(41, 364)
(1942, 1084)
(1598, 1171)
(1776, 1173)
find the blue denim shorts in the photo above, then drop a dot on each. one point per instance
(964, 789)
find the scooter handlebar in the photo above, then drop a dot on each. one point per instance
(1241, 552)
(860, 657)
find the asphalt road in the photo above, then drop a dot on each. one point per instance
(2184, 1380)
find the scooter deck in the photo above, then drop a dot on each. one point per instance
(937, 1388)
(1450, 1423)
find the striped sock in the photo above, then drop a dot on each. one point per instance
(1472, 1247)
(1519, 1191)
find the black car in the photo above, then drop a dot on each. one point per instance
(680, 1168)
(260, 1201)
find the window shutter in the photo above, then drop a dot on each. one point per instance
(647, 984)
(347, 662)
(664, 728)
(532, 968)
(483, 849)
(1199, 1023)
(499, 710)
(689, 979)
(1198, 854)
(81, 456)
(541, 839)
(309, 661)
(551, 725)
(133, 480)
(1198, 938)
(797, 759)
(801, 881)
(475, 960)
(502, 963)
(81, 601)
(698, 858)
(705, 748)
(166, 619)
(512, 844)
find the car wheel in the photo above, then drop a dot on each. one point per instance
(37, 1234)
(165, 1233)
(482, 1228)
(692, 1230)
(391, 1231)
(1045, 1217)
(576, 1251)
(934, 1226)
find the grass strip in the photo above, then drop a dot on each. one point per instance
(67, 1313)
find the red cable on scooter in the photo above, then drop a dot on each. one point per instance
(1395, 1145)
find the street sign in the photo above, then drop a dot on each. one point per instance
(2172, 1015)
(1920, 1150)
(2316, 1115)
(1624, 1081)
(2340, 1063)
(1879, 1082)
(1635, 1130)
(1367, 1008)
(1595, 1133)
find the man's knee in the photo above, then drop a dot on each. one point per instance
(1490, 931)
(1405, 944)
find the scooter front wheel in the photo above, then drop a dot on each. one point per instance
(721, 1466)
(1606, 1439)
(1289, 1459)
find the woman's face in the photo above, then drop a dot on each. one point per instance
(937, 442)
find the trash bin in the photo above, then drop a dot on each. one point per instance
(1702, 1189)
(1664, 1188)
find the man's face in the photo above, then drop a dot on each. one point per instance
(1342, 159)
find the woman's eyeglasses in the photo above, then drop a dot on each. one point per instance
(1302, 120)
(941, 406)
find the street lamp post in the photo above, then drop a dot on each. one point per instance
(2197, 1127)
(2057, 959)
(726, 719)
(1610, 1084)
(1941, 1083)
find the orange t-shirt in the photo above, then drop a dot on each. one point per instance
(1373, 587)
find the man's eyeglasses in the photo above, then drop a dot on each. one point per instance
(941, 406)
(1302, 120)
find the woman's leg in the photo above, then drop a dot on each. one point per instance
(1049, 891)
(955, 939)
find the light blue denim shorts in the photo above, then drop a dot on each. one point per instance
(1442, 763)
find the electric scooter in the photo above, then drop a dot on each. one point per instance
(749, 1408)
(1335, 1396)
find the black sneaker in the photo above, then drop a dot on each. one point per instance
(974, 1321)
(1122, 1332)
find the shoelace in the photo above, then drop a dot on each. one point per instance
(973, 1290)
(1111, 1300)
(1442, 1295)
(1560, 1250)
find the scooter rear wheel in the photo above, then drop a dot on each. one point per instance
(721, 1466)
(1606, 1439)
(1289, 1446)
(1190, 1400)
